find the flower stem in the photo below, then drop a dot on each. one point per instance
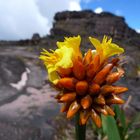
(80, 129)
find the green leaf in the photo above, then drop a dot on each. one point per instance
(120, 115)
(110, 128)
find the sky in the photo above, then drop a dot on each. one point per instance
(19, 19)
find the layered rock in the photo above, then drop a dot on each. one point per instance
(88, 23)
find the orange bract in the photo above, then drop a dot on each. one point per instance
(88, 89)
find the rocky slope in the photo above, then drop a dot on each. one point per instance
(27, 107)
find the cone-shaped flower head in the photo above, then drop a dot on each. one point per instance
(86, 83)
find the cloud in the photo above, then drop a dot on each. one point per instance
(98, 10)
(138, 30)
(19, 19)
(48, 8)
(74, 5)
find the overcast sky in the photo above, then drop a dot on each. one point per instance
(19, 19)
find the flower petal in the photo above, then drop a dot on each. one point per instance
(72, 42)
(52, 74)
(66, 55)
(96, 43)
(106, 48)
(112, 49)
(60, 58)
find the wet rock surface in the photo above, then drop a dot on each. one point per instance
(11, 69)
(27, 104)
(15, 132)
(31, 112)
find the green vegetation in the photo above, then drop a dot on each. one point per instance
(118, 128)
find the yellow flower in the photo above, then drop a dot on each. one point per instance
(72, 42)
(87, 85)
(55, 60)
(62, 58)
(106, 48)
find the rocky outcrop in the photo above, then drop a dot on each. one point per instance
(88, 23)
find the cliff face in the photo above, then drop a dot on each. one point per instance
(88, 23)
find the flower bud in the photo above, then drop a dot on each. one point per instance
(64, 72)
(74, 107)
(94, 89)
(81, 87)
(90, 71)
(113, 77)
(113, 99)
(100, 100)
(100, 109)
(106, 89)
(84, 116)
(101, 76)
(88, 57)
(96, 62)
(96, 118)
(68, 97)
(119, 89)
(68, 83)
(109, 110)
(78, 69)
(86, 102)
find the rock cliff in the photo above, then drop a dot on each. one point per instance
(88, 23)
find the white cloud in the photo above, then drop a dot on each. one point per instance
(98, 10)
(138, 30)
(19, 19)
(48, 8)
(74, 5)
